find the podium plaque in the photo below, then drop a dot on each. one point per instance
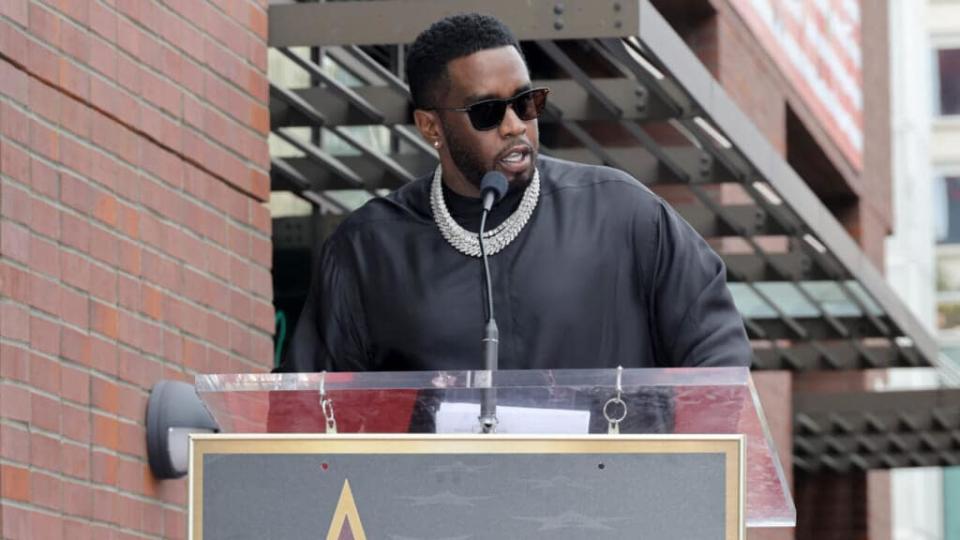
(481, 486)
(283, 425)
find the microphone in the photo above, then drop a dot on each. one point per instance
(493, 187)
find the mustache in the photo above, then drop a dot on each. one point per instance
(507, 148)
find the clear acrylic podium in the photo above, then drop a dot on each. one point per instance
(655, 402)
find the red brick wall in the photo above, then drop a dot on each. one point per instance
(876, 210)
(753, 81)
(134, 244)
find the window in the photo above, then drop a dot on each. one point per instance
(948, 290)
(947, 205)
(947, 223)
(948, 69)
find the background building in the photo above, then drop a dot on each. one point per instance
(814, 79)
(943, 22)
(925, 42)
(139, 194)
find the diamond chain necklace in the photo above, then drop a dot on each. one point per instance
(496, 239)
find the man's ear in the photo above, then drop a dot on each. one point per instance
(429, 125)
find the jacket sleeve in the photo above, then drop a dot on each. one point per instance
(695, 320)
(331, 331)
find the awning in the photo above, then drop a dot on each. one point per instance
(626, 92)
(876, 430)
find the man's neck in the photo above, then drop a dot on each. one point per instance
(454, 180)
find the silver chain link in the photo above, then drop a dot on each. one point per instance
(326, 405)
(614, 421)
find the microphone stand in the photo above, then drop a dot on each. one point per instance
(491, 341)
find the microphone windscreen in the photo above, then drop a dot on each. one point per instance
(495, 182)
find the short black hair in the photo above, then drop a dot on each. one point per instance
(450, 38)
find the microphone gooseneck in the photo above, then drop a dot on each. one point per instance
(491, 334)
(493, 186)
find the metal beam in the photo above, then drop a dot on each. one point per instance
(867, 443)
(391, 22)
(381, 159)
(672, 55)
(792, 266)
(748, 220)
(339, 89)
(814, 328)
(876, 430)
(374, 175)
(886, 460)
(695, 166)
(565, 94)
(636, 161)
(283, 102)
(360, 65)
(283, 177)
(324, 159)
(612, 109)
(889, 405)
(841, 355)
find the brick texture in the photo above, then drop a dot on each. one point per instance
(726, 46)
(133, 244)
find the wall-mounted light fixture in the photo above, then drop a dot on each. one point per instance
(174, 411)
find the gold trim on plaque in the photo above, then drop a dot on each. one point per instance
(346, 512)
(733, 448)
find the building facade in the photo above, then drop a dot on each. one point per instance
(814, 79)
(134, 245)
(813, 76)
(938, 92)
(162, 198)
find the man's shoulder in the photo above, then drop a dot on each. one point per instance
(404, 205)
(564, 177)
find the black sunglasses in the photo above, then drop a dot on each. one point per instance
(488, 114)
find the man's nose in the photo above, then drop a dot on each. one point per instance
(512, 125)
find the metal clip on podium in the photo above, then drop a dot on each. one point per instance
(637, 453)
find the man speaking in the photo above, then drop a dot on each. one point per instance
(589, 268)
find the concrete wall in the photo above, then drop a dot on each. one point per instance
(917, 509)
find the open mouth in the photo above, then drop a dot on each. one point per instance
(516, 159)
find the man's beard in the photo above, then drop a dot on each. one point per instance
(471, 165)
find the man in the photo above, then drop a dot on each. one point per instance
(590, 269)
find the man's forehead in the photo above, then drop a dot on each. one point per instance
(490, 72)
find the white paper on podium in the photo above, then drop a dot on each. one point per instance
(464, 418)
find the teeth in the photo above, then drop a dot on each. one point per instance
(513, 156)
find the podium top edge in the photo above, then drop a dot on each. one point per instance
(452, 380)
